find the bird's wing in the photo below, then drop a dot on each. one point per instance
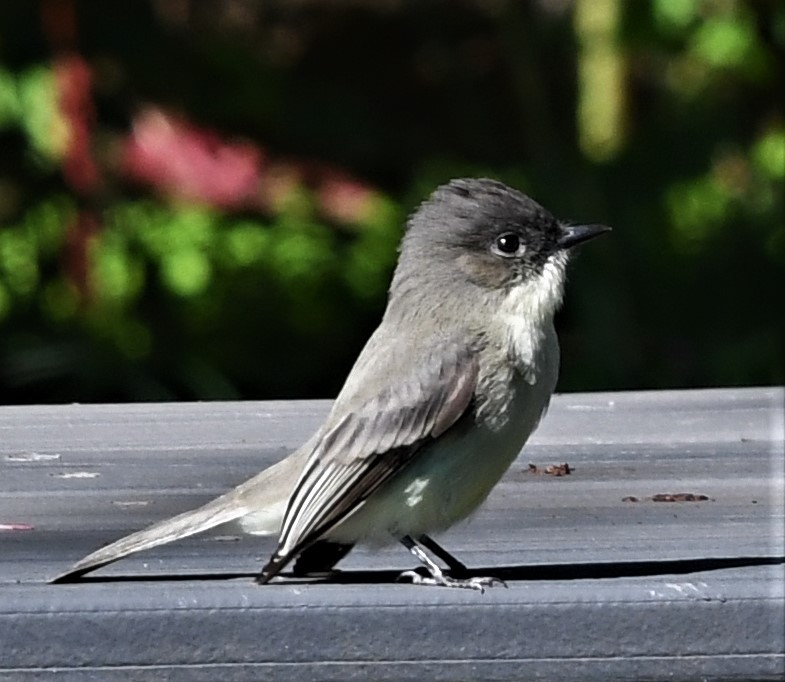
(365, 446)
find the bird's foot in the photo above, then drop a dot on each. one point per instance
(439, 579)
(435, 574)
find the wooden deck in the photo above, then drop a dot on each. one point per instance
(605, 582)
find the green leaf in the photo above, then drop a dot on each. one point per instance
(186, 272)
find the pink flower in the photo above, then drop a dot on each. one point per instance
(73, 80)
(344, 199)
(187, 162)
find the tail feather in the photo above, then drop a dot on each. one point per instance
(262, 499)
(181, 526)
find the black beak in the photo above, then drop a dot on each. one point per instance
(572, 235)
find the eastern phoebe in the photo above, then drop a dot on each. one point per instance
(438, 405)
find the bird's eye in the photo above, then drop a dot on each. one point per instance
(508, 245)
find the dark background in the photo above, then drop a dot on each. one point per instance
(202, 200)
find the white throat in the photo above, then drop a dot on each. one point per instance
(527, 314)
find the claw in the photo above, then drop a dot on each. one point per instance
(441, 580)
(435, 575)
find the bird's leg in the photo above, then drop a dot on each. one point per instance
(457, 568)
(320, 558)
(437, 577)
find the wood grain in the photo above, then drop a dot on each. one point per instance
(604, 581)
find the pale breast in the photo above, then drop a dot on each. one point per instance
(449, 479)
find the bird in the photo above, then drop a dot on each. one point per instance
(437, 406)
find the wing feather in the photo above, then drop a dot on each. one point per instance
(368, 445)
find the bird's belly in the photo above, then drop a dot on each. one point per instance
(447, 480)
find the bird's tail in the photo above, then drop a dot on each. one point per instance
(262, 497)
(181, 526)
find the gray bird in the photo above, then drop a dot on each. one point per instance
(437, 406)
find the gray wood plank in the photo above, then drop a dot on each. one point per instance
(600, 587)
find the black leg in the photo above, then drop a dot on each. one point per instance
(436, 576)
(457, 568)
(320, 558)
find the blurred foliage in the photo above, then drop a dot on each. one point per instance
(215, 215)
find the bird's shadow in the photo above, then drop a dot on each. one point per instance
(508, 574)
